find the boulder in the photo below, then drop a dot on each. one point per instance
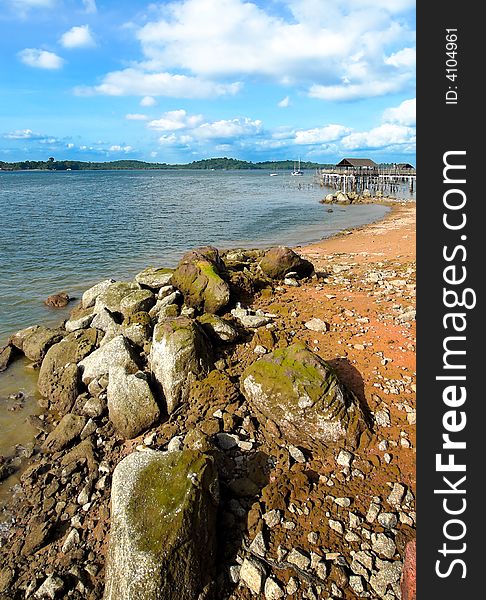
(80, 318)
(138, 328)
(163, 535)
(302, 394)
(199, 277)
(89, 296)
(279, 261)
(68, 430)
(59, 300)
(218, 328)
(154, 278)
(58, 380)
(137, 301)
(111, 297)
(131, 404)
(180, 354)
(6, 355)
(37, 343)
(342, 198)
(116, 353)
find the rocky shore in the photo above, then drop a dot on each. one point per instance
(241, 426)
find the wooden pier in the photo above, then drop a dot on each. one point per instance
(387, 180)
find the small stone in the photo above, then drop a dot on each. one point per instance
(83, 496)
(383, 445)
(356, 584)
(50, 588)
(272, 518)
(175, 444)
(234, 573)
(352, 537)
(260, 350)
(344, 458)
(298, 558)
(312, 537)
(336, 526)
(317, 325)
(387, 520)
(71, 541)
(383, 545)
(252, 574)
(272, 590)
(258, 545)
(292, 586)
(321, 570)
(296, 454)
(354, 520)
(344, 502)
(382, 418)
(387, 457)
(396, 495)
(373, 512)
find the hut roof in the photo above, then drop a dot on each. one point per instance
(405, 166)
(357, 162)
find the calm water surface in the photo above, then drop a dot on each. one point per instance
(63, 231)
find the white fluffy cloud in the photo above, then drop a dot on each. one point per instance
(21, 134)
(404, 114)
(78, 37)
(40, 59)
(117, 148)
(321, 135)
(134, 82)
(148, 101)
(388, 134)
(174, 120)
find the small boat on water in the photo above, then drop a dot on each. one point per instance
(297, 172)
(273, 174)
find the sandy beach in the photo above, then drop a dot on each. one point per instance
(343, 524)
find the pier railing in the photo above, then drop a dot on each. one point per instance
(386, 180)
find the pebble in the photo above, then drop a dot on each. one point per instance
(373, 512)
(175, 444)
(312, 537)
(356, 584)
(298, 558)
(272, 518)
(317, 325)
(344, 502)
(387, 520)
(259, 350)
(272, 590)
(344, 458)
(252, 574)
(234, 573)
(296, 454)
(71, 541)
(258, 545)
(226, 441)
(383, 445)
(291, 282)
(50, 588)
(336, 526)
(383, 545)
(292, 586)
(396, 495)
(382, 418)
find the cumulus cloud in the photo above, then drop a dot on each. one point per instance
(404, 114)
(174, 120)
(22, 134)
(78, 37)
(148, 101)
(40, 59)
(388, 134)
(403, 58)
(136, 117)
(321, 135)
(284, 103)
(134, 82)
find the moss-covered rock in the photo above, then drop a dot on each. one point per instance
(199, 276)
(137, 301)
(58, 376)
(162, 538)
(67, 431)
(280, 260)
(154, 278)
(180, 354)
(302, 394)
(112, 295)
(218, 328)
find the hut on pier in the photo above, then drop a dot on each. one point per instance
(405, 167)
(357, 163)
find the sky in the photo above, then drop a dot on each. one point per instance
(178, 81)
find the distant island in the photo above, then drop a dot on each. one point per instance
(216, 164)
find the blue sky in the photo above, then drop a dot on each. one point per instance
(190, 79)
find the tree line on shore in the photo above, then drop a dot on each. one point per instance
(207, 164)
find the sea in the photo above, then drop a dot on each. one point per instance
(65, 231)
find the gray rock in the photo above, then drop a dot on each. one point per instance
(71, 541)
(112, 296)
(336, 526)
(356, 584)
(226, 441)
(272, 518)
(218, 328)
(81, 322)
(180, 354)
(344, 458)
(388, 575)
(69, 429)
(89, 296)
(387, 520)
(36, 344)
(51, 588)
(317, 325)
(258, 545)
(396, 495)
(298, 558)
(116, 353)
(303, 395)
(131, 405)
(163, 517)
(154, 278)
(280, 260)
(137, 301)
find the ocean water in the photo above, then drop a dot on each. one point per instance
(64, 231)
